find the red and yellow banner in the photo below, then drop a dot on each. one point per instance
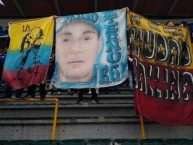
(163, 67)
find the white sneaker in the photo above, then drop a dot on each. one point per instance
(59, 93)
(97, 91)
(95, 102)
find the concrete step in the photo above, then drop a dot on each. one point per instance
(88, 128)
(70, 120)
(65, 110)
(102, 98)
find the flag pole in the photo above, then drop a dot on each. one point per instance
(142, 127)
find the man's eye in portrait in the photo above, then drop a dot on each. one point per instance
(65, 40)
(87, 38)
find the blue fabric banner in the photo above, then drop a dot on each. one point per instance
(91, 50)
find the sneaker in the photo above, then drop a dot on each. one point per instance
(49, 93)
(97, 91)
(89, 92)
(95, 102)
(80, 102)
(59, 92)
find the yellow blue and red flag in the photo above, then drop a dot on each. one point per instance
(29, 52)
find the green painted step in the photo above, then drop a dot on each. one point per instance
(155, 142)
(99, 142)
(73, 142)
(181, 141)
(126, 142)
(46, 142)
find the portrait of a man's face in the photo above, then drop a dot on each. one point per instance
(77, 45)
(90, 50)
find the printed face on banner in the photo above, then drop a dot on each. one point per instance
(77, 46)
(91, 50)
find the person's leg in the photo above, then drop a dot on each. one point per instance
(1, 72)
(8, 92)
(28, 92)
(125, 83)
(76, 91)
(51, 88)
(130, 78)
(80, 96)
(18, 93)
(31, 91)
(72, 91)
(42, 91)
(97, 90)
(94, 96)
(59, 91)
(50, 91)
(106, 90)
(116, 89)
(89, 91)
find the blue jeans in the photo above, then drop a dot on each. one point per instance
(130, 79)
(18, 93)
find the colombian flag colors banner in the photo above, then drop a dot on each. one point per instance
(163, 66)
(28, 56)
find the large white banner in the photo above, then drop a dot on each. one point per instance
(91, 50)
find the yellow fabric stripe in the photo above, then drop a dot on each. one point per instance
(144, 24)
(18, 30)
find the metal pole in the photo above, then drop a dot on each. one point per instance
(142, 127)
(55, 119)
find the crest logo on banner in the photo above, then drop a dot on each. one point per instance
(28, 56)
(163, 67)
(91, 50)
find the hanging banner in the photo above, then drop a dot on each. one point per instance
(29, 52)
(91, 50)
(163, 67)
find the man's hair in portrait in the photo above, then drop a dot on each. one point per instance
(94, 26)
